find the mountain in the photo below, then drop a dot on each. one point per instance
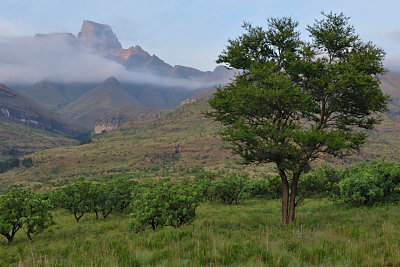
(54, 95)
(98, 36)
(87, 108)
(19, 108)
(18, 139)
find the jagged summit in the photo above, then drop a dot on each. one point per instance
(99, 36)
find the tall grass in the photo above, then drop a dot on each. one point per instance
(248, 234)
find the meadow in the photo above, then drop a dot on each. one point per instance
(247, 234)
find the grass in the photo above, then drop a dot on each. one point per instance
(248, 234)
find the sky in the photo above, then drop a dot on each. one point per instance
(194, 32)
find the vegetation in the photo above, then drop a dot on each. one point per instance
(368, 183)
(20, 208)
(166, 203)
(296, 102)
(324, 234)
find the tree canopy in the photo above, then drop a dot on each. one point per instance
(296, 101)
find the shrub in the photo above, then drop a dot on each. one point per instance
(8, 164)
(321, 182)
(231, 188)
(204, 180)
(368, 182)
(27, 162)
(166, 203)
(74, 197)
(37, 215)
(20, 208)
(268, 187)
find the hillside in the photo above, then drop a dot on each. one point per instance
(176, 143)
(19, 108)
(96, 103)
(17, 139)
(54, 95)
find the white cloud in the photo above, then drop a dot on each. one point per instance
(27, 60)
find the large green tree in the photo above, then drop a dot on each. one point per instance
(296, 101)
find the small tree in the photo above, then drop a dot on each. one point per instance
(74, 197)
(295, 101)
(12, 211)
(165, 203)
(37, 215)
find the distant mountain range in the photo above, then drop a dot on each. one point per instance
(101, 38)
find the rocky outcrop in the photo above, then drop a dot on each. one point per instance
(99, 36)
(123, 115)
(19, 108)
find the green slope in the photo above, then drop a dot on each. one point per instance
(18, 139)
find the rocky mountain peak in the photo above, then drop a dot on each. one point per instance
(99, 36)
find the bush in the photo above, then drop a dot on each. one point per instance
(74, 197)
(19, 208)
(321, 182)
(368, 182)
(204, 180)
(27, 162)
(8, 164)
(268, 187)
(166, 203)
(231, 188)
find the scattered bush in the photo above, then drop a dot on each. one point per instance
(75, 198)
(231, 188)
(368, 182)
(268, 187)
(204, 180)
(166, 203)
(27, 162)
(8, 164)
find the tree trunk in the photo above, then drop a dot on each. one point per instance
(285, 197)
(293, 191)
(28, 234)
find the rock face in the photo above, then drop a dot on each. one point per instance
(123, 115)
(99, 36)
(19, 108)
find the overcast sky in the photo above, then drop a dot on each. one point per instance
(194, 32)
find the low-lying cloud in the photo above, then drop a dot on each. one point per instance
(27, 60)
(392, 64)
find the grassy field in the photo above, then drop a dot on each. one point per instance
(248, 234)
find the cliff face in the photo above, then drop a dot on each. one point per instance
(123, 115)
(99, 36)
(19, 108)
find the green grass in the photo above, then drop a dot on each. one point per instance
(248, 234)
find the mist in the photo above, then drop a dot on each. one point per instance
(392, 64)
(28, 60)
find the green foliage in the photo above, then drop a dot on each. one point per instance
(320, 182)
(166, 203)
(230, 189)
(8, 164)
(205, 180)
(12, 212)
(297, 101)
(368, 182)
(124, 191)
(268, 187)
(20, 208)
(74, 197)
(37, 214)
(113, 194)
